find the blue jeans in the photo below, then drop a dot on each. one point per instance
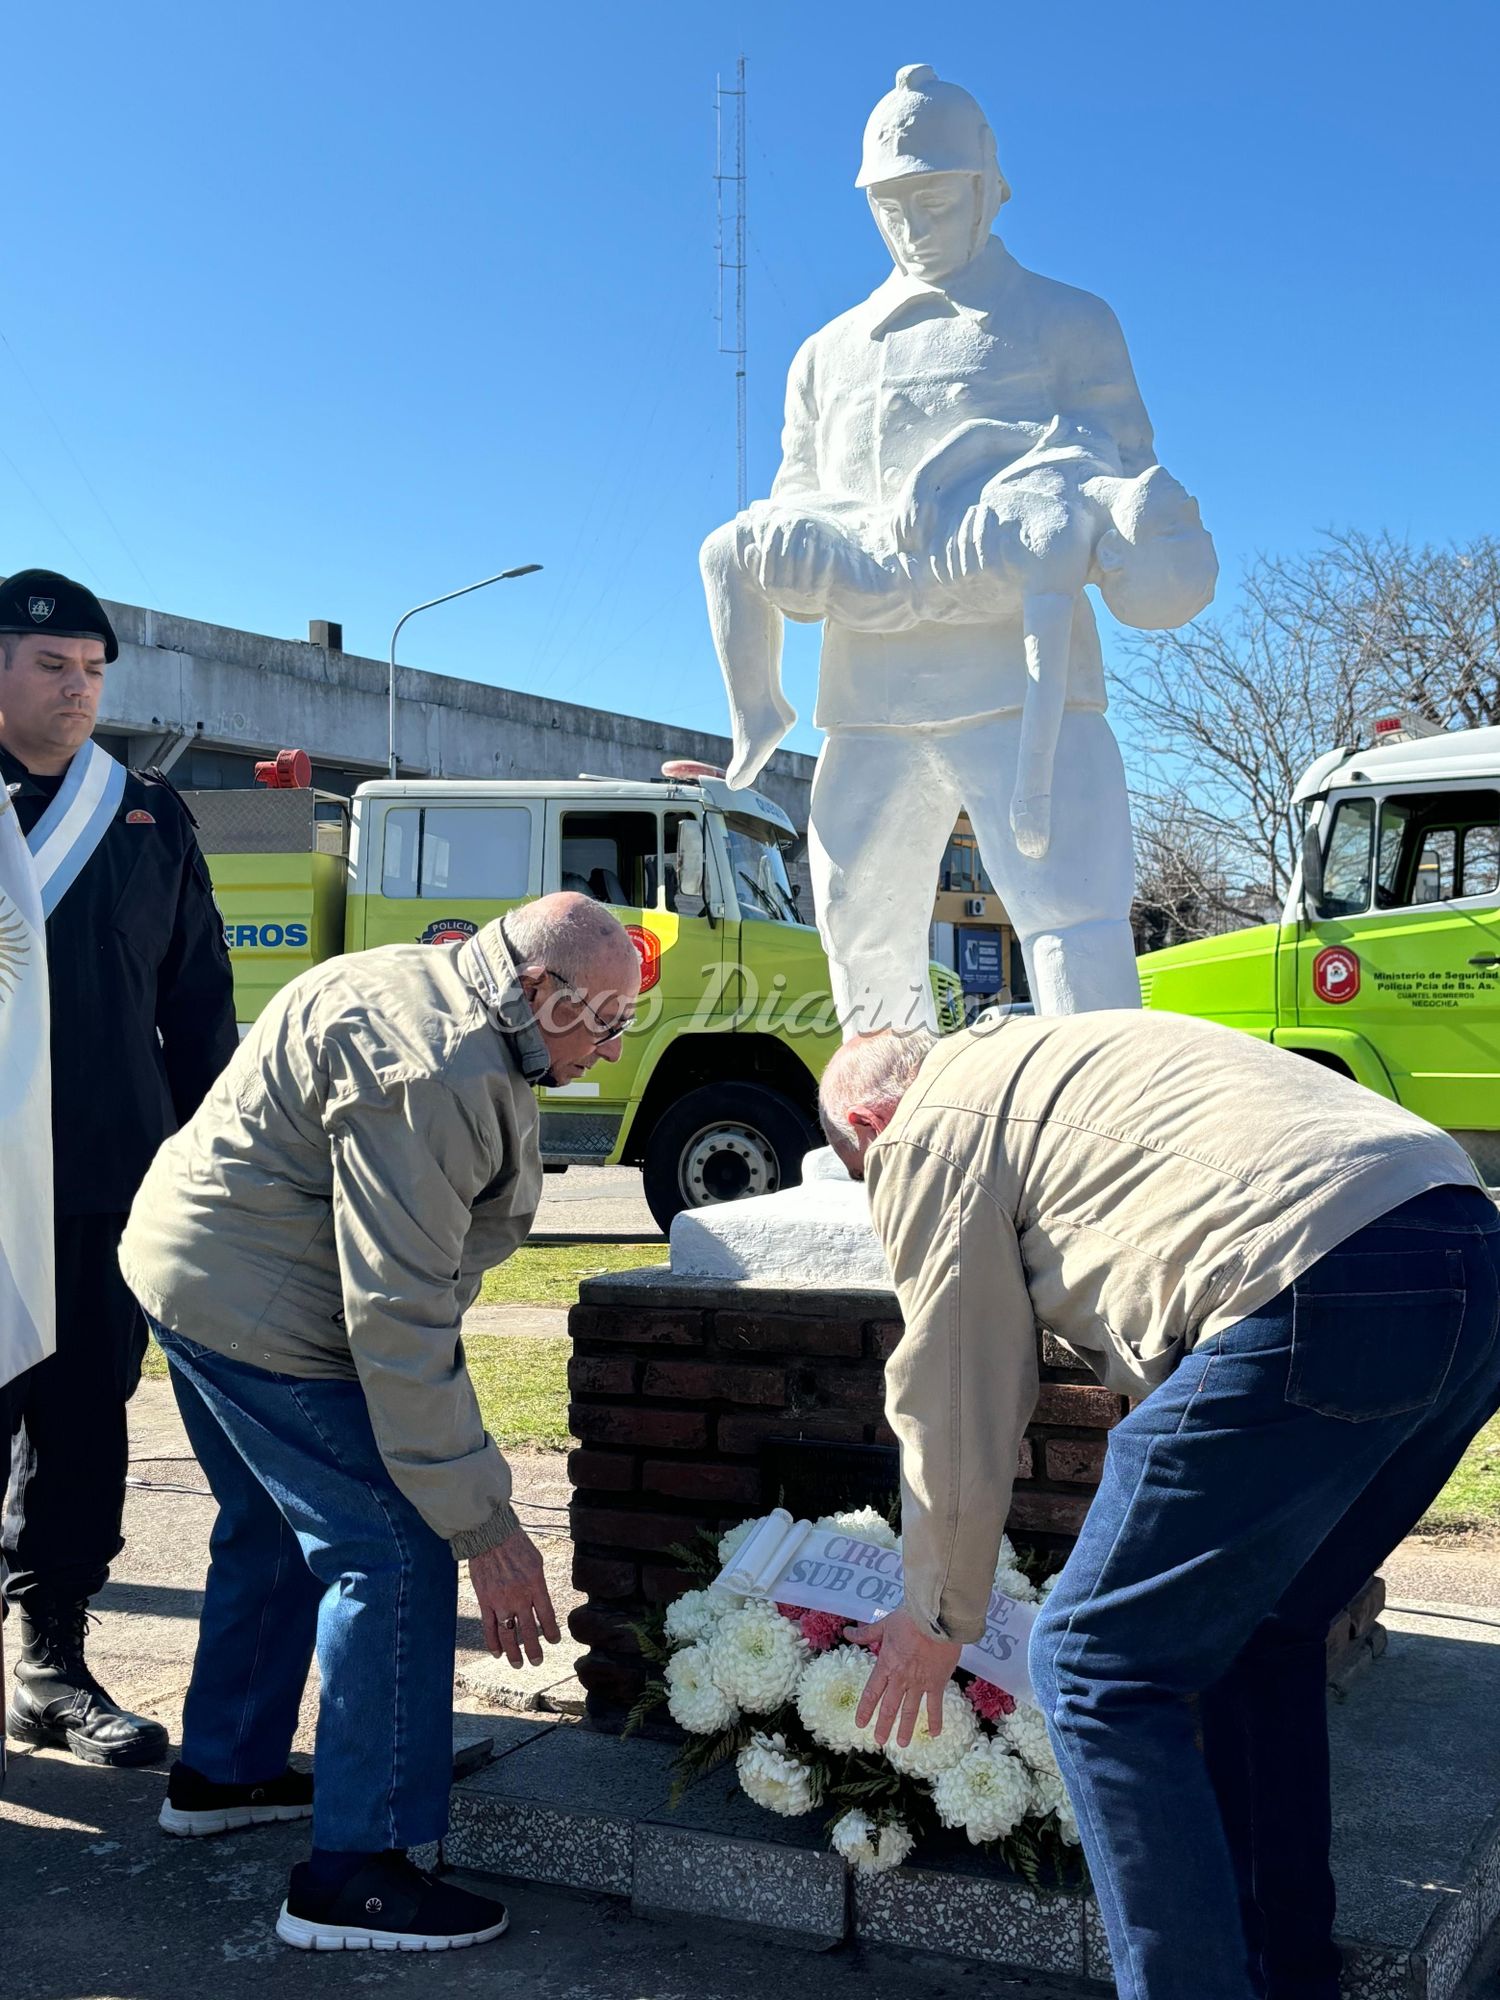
(314, 1545)
(1180, 1658)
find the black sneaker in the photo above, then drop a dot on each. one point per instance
(194, 1806)
(387, 1904)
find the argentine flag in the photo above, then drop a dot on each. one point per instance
(27, 1292)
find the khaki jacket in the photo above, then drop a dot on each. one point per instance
(1133, 1183)
(368, 1154)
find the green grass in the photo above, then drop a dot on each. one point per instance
(521, 1380)
(549, 1274)
(1471, 1499)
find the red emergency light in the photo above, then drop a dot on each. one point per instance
(648, 948)
(288, 771)
(689, 767)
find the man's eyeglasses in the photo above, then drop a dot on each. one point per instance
(603, 1032)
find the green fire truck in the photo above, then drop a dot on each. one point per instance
(1386, 962)
(715, 1093)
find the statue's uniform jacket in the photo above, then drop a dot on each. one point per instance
(874, 393)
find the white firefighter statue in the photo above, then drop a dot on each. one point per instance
(963, 451)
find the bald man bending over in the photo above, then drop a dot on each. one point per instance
(307, 1247)
(1298, 1280)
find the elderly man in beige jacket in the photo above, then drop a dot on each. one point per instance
(1298, 1280)
(307, 1247)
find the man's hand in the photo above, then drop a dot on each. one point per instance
(912, 1666)
(511, 1586)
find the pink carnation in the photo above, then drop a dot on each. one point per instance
(821, 1629)
(989, 1701)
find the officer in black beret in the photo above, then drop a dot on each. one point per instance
(142, 1014)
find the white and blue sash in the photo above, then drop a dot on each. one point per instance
(76, 821)
(27, 1310)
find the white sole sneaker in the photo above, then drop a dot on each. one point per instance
(227, 1819)
(307, 1935)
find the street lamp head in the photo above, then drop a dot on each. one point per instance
(525, 569)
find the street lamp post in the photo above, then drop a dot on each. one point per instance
(447, 597)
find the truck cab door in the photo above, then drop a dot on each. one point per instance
(623, 854)
(1405, 948)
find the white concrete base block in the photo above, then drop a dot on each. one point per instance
(815, 1234)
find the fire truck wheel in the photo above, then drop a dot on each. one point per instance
(723, 1142)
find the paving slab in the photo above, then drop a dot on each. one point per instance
(602, 1203)
(799, 1894)
(984, 1917)
(550, 1322)
(1445, 1569)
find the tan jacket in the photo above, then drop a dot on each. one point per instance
(1134, 1183)
(368, 1154)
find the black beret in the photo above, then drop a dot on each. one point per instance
(39, 600)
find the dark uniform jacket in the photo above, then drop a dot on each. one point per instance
(142, 995)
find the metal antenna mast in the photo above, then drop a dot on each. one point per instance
(731, 248)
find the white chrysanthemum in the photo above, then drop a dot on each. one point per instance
(988, 1792)
(871, 1849)
(866, 1524)
(1015, 1583)
(756, 1657)
(1049, 1584)
(1007, 1553)
(731, 1542)
(772, 1776)
(694, 1703)
(828, 1696)
(692, 1617)
(1026, 1733)
(926, 1755)
(1052, 1796)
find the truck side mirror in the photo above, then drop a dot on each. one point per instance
(1312, 871)
(689, 858)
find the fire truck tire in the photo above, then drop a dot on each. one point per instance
(721, 1143)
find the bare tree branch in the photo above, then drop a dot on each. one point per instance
(1224, 717)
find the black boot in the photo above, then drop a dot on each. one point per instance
(56, 1701)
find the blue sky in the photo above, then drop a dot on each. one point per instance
(318, 309)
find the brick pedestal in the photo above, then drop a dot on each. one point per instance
(678, 1387)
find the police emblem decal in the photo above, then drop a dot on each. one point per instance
(41, 608)
(447, 930)
(140, 818)
(1335, 974)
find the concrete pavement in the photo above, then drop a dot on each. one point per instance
(1445, 1569)
(595, 1201)
(100, 1905)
